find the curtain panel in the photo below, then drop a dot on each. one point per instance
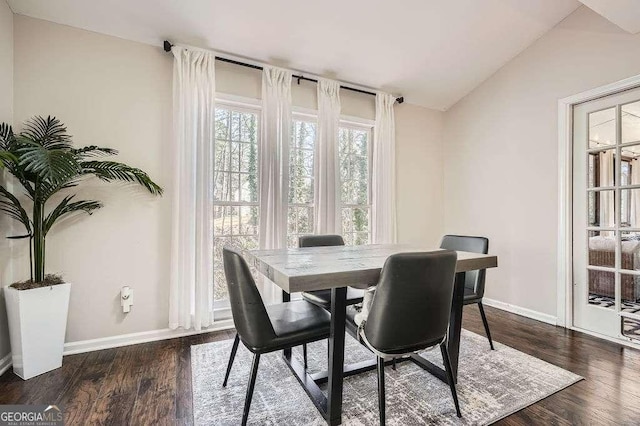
(191, 280)
(328, 218)
(274, 165)
(383, 182)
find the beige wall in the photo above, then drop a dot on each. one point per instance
(6, 116)
(501, 155)
(117, 93)
(419, 169)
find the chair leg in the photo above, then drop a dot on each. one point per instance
(252, 384)
(304, 354)
(393, 364)
(381, 396)
(452, 384)
(234, 348)
(486, 324)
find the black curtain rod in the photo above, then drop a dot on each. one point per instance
(168, 46)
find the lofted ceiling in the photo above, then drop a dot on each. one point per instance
(431, 51)
(623, 13)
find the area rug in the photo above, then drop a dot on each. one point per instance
(491, 385)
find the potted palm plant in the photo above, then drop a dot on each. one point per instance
(43, 163)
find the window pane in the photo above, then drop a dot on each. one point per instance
(602, 128)
(601, 208)
(249, 220)
(221, 186)
(630, 208)
(602, 289)
(222, 124)
(630, 167)
(631, 122)
(305, 220)
(248, 126)
(361, 219)
(221, 221)
(235, 125)
(221, 155)
(235, 157)
(630, 286)
(602, 171)
(631, 326)
(602, 248)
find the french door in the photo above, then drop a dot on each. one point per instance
(606, 216)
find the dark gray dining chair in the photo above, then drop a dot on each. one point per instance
(474, 280)
(264, 329)
(322, 298)
(410, 312)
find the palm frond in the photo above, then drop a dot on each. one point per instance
(6, 137)
(49, 164)
(110, 171)
(48, 132)
(93, 151)
(67, 207)
(6, 157)
(12, 207)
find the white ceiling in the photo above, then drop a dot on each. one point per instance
(431, 51)
(623, 13)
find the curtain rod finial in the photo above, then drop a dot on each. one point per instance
(400, 99)
(167, 46)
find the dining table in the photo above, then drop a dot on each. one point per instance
(336, 268)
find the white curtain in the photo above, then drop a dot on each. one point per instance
(327, 179)
(635, 199)
(274, 165)
(191, 281)
(606, 197)
(383, 185)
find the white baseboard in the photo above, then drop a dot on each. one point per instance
(82, 346)
(529, 313)
(136, 338)
(5, 363)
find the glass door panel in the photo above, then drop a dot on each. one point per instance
(606, 210)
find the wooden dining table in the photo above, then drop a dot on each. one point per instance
(336, 268)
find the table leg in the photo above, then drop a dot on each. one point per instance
(286, 297)
(336, 355)
(455, 323)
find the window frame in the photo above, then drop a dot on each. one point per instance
(222, 308)
(360, 124)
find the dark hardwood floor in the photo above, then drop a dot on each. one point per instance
(150, 384)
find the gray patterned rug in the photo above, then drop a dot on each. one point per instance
(491, 385)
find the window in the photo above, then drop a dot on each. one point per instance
(354, 163)
(301, 192)
(236, 189)
(236, 219)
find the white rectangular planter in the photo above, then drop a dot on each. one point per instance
(37, 325)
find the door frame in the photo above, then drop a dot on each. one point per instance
(564, 279)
